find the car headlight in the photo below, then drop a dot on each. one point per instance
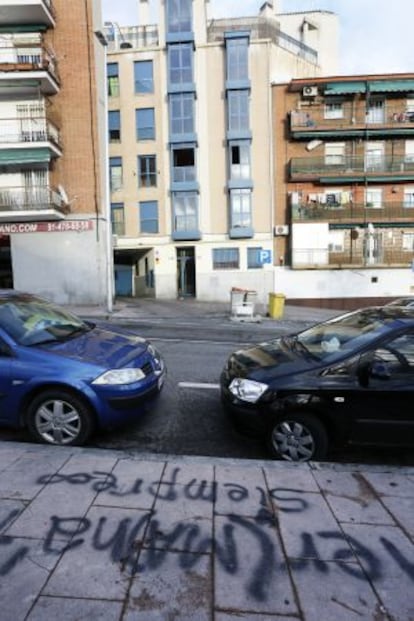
(119, 376)
(247, 390)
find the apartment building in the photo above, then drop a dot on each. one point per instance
(53, 225)
(191, 143)
(344, 188)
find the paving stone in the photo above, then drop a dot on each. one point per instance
(9, 511)
(351, 498)
(402, 510)
(391, 484)
(132, 483)
(183, 473)
(335, 594)
(387, 557)
(291, 477)
(75, 609)
(101, 556)
(179, 588)
(249, 616)
(249, 568)
(240, 490)
(24, 569)
(308, 528)
(24, 477)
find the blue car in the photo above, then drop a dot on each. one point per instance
(63, 378)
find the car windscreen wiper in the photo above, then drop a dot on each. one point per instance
(300, 347)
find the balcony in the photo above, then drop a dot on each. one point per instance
(352, 169)
(318, 258)
(21, 137)
(14, 12)
(24, 69)
(352, 121)
(28, 204)
(354, 213)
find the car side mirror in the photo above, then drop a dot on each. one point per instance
(5, 351)
(380, 370)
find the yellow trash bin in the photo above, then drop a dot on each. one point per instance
(276, 305)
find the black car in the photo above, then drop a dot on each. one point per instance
(349, 380)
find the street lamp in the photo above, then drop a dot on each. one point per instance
(108, 238)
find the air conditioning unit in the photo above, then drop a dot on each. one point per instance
(281, 229)
(310, 91)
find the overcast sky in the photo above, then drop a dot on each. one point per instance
(375, 35)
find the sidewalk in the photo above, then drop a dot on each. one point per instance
(89, 534)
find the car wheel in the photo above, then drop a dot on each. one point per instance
(59, 417)
(298, 437)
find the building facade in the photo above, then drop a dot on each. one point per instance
(53, 225)
(191, 144)
(344, 188)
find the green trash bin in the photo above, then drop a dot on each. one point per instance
(276, 305)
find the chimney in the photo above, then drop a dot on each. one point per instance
(143, 12)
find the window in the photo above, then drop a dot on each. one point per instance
(374, 155)
(180, 63)
(117, 218)
(114, 125)
(147, 171)
(182, 113)
(373, 197)
(408, 241)
(115, 173)
(240, 205)
(179, 15)
(226, 258)
(185, 211)
(409, 197)
(183, 162)
(237, 59)
(143, 76)
(254, 258)
(148, 216)
(239, 153)
(333, 110)
(409, 151)
(145, 123)
(238, 110)
(376, 111)
(334, 153)
(336, 241)
(113, 79)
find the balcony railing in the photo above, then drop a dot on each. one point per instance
(27, 58)
(35, 129)
(317, 118)
(346, 165)
(354, 212)
(33, 198)
(311, 258)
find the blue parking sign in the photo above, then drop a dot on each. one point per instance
(265, 256)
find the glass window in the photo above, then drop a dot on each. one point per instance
(336, 241)
(334, 153)
(117, 218)
(179, 15)
(143, 76)
(182, 113)
(115, 173)
(376, 111)
(373, 197)
(113, 79)
(240, 204)
(238, 110)
(148, 216)
(114, 125)
(145, 124)
(409, 197)
(239, 153)
(180, 63)
(147, 171)
(226, 258)
(254, 258)
(333, 109)
(408, 241)
(237, 59)
(183, 159)
(185, 211)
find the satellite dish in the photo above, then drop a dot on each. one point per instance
(63, 194)
(313, 144)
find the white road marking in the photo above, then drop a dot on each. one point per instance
(199, 385)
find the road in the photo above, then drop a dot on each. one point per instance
(187, 419)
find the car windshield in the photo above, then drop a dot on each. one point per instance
(33, 321)
(343, 335)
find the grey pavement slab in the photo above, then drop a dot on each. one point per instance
(89, 533)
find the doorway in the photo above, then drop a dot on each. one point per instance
(6, 269)
(186, 277)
